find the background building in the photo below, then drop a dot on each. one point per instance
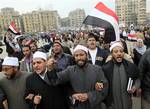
(41, 20)
(147, 23)
(65, 22)
(76, 18)
(141, 14)
(7, 15)
(38, 21)
(131, 11)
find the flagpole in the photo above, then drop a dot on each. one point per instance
(82, 24)
(80, 27)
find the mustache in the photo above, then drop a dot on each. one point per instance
(119, 57)
(81, 60)
(92, 43)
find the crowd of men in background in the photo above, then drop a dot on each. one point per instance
(75, 70)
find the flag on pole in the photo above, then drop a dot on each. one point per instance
(103, 15)
(12, 28)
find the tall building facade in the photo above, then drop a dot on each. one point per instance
(131, 11)
(7, 15)
(148, 16)
(40, 21)
(76, 18)
(65, 22)
(141, 16)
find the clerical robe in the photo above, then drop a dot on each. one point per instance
(118, 75)
(83, 80)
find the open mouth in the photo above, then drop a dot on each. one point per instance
(119, 59)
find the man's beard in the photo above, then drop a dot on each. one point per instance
(56, 54)
(81, 63)
(10, 76)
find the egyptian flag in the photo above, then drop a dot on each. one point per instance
(132, 37)
(103, 15)
(12, 28)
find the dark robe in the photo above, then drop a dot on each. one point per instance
(127, 70)
(83, 80)
(51, 95)
(14, 90)
(2, 98)
(63, 62)
(137, 56)
(122, 99)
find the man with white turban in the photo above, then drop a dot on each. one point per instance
(40, 94)
(83, 77)
(13, 84)
(119, 71)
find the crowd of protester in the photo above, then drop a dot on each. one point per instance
(75, 70)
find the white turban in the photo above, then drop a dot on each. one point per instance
(11, 61)
(115, 45)
(39, 54)
(80, 47)
(139, 40)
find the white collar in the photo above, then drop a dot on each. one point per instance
(93, 50)
(43, 75)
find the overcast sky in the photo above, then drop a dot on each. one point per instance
(63, 6)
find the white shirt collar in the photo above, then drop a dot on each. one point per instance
(43, 75)
(93, 55)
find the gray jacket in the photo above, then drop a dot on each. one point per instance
(14, 90)
(83, 80)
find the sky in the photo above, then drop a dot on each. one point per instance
(62, 6)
